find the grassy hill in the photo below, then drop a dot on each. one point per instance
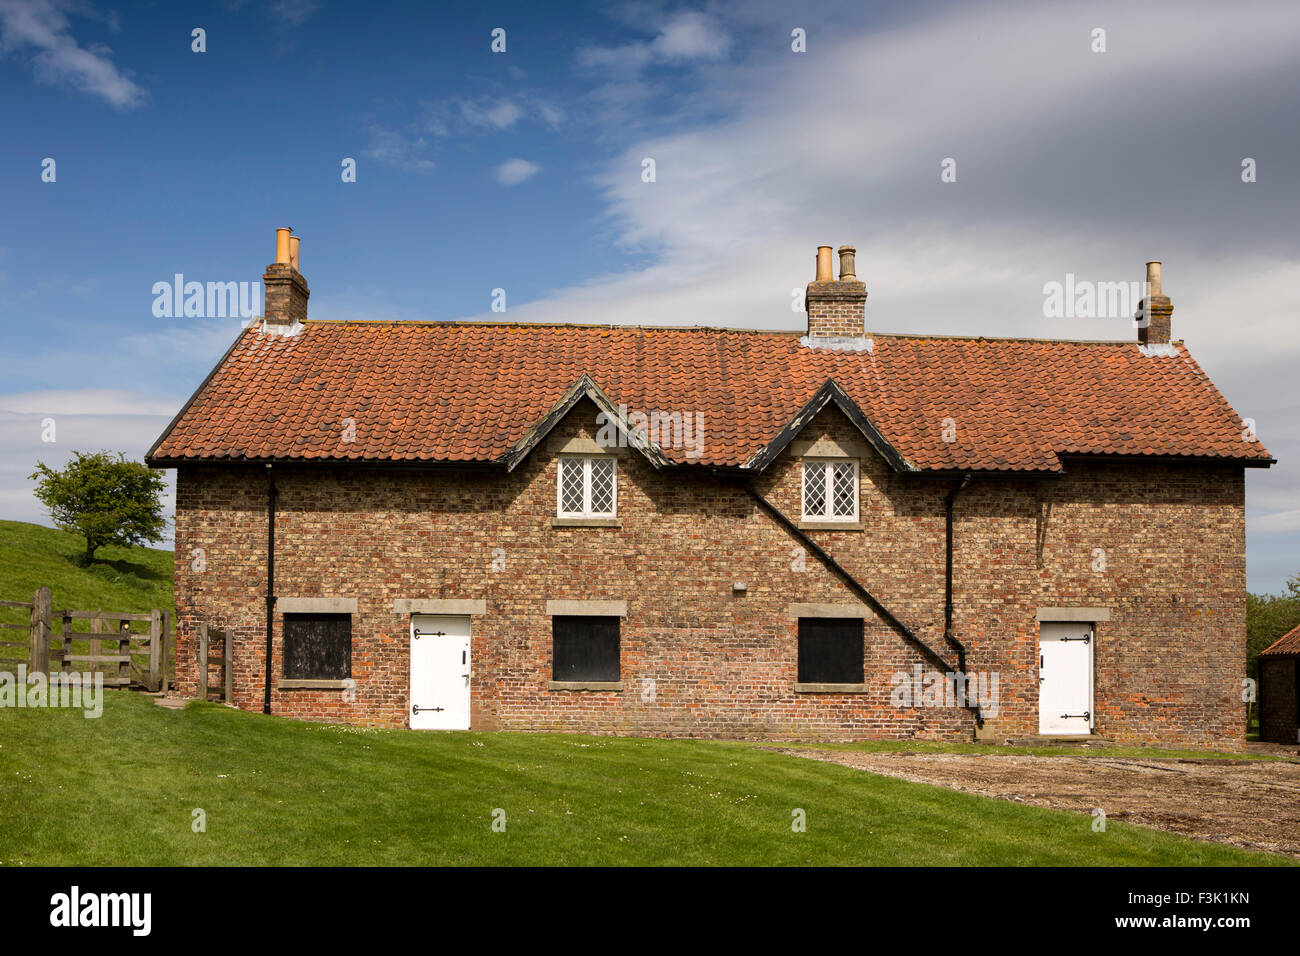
(120, 579)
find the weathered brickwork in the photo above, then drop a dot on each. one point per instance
(835, 308)
(1279, 717)
(1162, 547)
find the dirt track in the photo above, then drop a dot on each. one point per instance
(1247, 803)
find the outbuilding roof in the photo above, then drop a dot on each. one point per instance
(1288, 645)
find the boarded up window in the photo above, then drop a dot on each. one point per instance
(830, 650)
(584, 648)
(317, 646)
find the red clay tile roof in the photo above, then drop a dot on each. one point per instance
(1288, 645)
(463, 392)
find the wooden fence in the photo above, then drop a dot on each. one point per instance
(208, 640)
(124, 656)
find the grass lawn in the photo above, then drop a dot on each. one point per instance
(121, 790)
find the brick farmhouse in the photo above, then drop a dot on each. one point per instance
(815, 534)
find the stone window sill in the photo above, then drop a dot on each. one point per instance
(586, 523)
(829, 688)
(305, 684)
(807, 525)
(585, 685)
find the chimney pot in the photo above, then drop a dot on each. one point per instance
(847, 254)
(836, 310)
(1153, 278)
(282, 245)
(1155, 314)
(824, 272)
(286, 289)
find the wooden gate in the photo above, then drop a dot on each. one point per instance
(129, 648)
(209, 640)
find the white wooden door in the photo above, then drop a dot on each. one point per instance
(1065, 652)
(440, 669)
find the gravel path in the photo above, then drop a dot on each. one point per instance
(1247, 803)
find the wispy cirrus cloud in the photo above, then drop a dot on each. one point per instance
(294, 12)
(413, 146)
(40, 31)
(290, 13)
(400, 149)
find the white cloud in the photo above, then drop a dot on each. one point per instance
(87, 402)
(691, 36)
(116, 420)
(40, 28)
(498, 114)
(515, 171)
(684, 37)
(1278, 522)
(400, 150)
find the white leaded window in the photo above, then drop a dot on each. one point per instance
(830, 489)
(587, 487)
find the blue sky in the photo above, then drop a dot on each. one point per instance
(522, 171)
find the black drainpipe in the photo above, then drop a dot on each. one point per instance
(270, 580)
(861, 591)
(948, 499)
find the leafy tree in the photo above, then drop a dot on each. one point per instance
(105, 499)
(1268, 617)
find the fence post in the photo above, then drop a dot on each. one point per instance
(39, 654)
(96, 644)
(166, 658)
(228, 666)
(155, 649)
(124, 650)
(66, 646)
(203, 661)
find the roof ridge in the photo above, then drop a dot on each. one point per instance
(637, 327)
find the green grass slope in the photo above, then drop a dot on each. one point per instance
(120, 579)
(125, 788)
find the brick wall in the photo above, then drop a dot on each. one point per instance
(1279, 719)
(836, 309)
(1168, 663)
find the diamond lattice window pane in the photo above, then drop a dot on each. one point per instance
(602, 486)
(844, 492)
(571, 485)
(814, 488)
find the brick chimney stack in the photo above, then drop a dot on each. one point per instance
(836, 308)
(1156, 310)
(286, 289)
